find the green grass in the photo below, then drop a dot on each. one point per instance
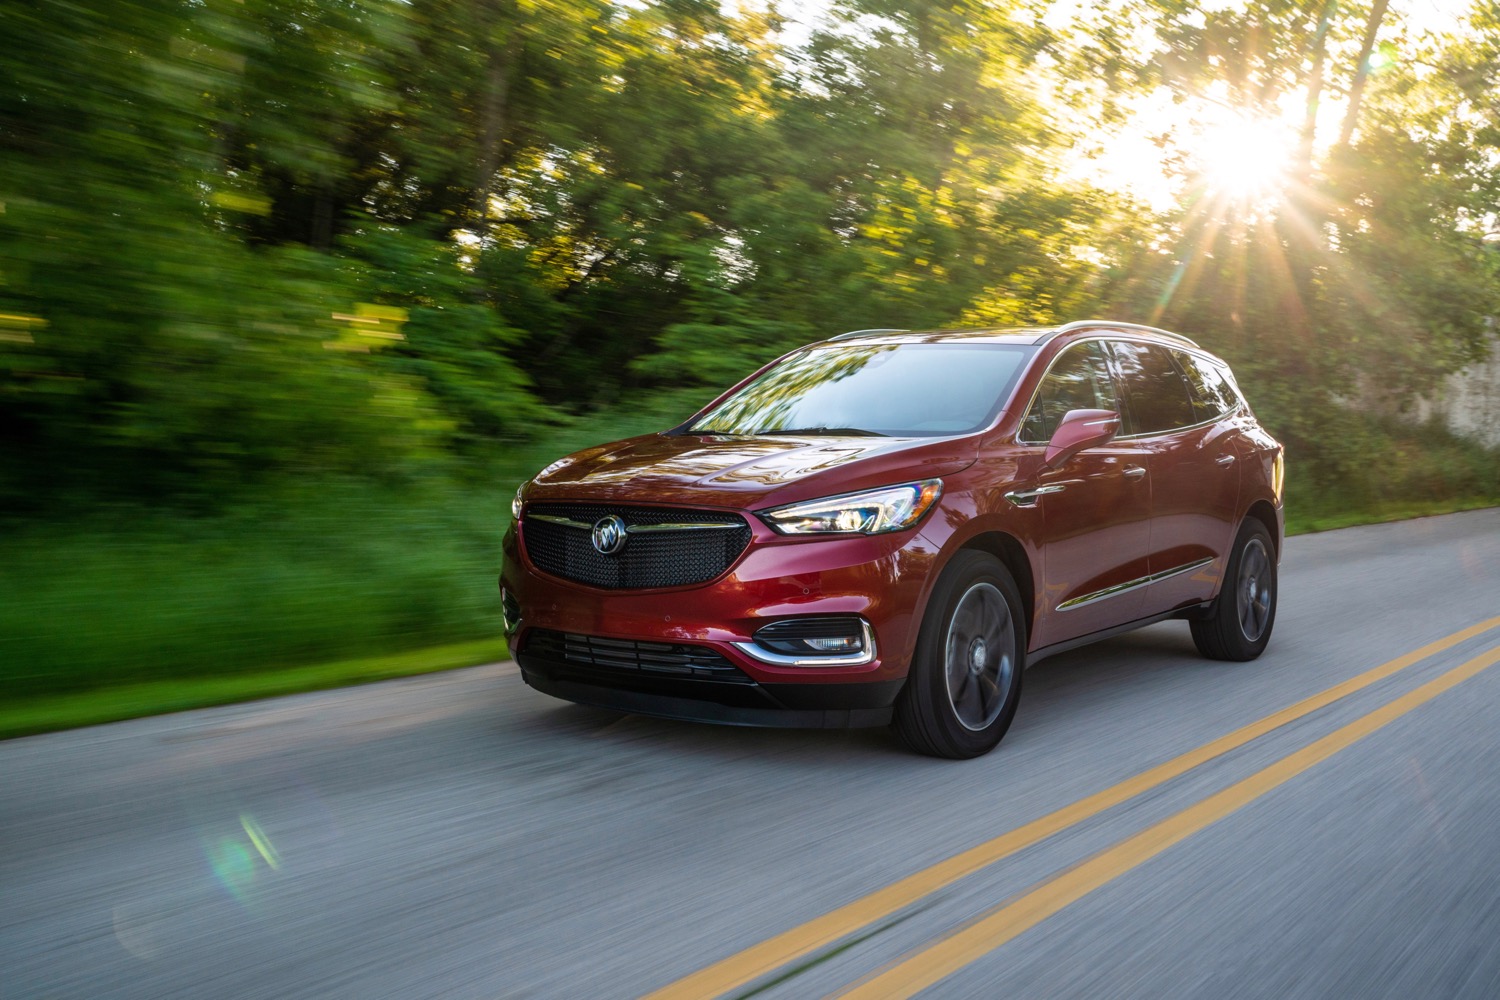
(110, 704)
(329, 574)
(1305, 523)
(1369, 471)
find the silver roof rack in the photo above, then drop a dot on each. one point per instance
(1089, 324)
(864, 333)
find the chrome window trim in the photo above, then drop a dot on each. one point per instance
(1175, 430)
(1218, 362)
(1240, 407)
(1104, 338)
(1223, 368)
(1037, 391)
(864, 656)
(1123, 588)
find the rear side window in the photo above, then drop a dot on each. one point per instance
(1157, 396)
(1078, 380)
(1213, 396)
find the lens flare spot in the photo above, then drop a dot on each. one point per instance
(233, 865)
(261, 842)
(135, 930)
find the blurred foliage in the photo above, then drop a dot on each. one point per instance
(206, 202)
(340, 266)
(278, 578)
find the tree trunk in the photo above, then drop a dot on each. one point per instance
(493, 120)
(1314, 90)
(1362, 71)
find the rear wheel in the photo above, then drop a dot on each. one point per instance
(965, 680)
(1238, 624)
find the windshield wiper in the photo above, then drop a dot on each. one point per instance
(849, 431)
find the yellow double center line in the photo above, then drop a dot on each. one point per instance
(1000, 925)
(803, 940)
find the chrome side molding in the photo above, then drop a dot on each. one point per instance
(1124, 588)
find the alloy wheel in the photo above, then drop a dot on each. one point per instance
(980, 656)
(1254, 590)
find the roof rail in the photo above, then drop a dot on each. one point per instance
(862, 333)
(1087, 324)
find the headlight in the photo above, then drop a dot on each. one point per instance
(515, 503)
(873, 512)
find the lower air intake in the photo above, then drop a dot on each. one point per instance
(658, 658)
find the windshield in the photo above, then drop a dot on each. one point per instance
(904, 390)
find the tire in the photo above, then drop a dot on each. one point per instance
(965, 679)
(1238, 623)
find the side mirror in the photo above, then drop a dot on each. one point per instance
(1080, 429)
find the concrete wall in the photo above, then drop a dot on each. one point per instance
(1469, 402)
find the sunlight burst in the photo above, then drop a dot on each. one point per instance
(1246, 160)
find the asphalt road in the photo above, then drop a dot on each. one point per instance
(459, 835)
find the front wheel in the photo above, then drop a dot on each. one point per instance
(1238, 624)
(965, 680)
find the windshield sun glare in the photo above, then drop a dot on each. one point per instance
(901, 390)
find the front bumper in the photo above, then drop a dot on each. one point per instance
(879, 578)
(821, 706)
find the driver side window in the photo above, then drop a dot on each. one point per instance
(1078, 380)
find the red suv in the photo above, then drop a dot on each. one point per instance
(889, 526)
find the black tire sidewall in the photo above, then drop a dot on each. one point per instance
(1226, 619)
(926, 703)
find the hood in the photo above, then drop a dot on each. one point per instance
(745, 472)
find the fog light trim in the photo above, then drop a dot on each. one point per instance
(510, 612)
(864, 655)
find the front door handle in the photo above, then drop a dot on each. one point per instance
(1028, 498)
(1134, 471)
(1224, 460)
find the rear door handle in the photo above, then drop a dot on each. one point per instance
(1134, 471)
(1224, 460)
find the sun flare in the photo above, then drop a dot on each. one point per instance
(1244, 159)
(1173, 150)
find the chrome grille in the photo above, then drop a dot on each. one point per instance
(665, 546)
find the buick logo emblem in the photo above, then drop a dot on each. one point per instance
(609, 534)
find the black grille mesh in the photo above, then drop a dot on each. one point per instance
(664, 559)
(676, 659)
